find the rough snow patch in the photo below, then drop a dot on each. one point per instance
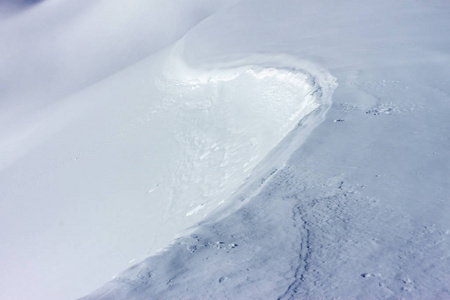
(226, 119)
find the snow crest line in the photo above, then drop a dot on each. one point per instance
(229, 116)
(236, 123)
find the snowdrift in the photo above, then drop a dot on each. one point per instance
(150, 152)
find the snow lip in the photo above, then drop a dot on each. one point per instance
(317, 87)
(314, 87)
(318, 82)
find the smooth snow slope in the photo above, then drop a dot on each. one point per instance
(145, 155)
(147, 152)
(60, 47)
(69, 165)
(362, 209)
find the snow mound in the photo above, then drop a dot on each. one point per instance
(159, 145)
(230, 125)
(226, 119)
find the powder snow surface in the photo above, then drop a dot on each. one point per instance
(271, 149)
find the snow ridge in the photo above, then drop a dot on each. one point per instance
(304, 254)
(286, 100)
(229, 117)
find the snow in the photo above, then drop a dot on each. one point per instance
(271, 149)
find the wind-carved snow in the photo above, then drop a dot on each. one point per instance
(234, 125)
(149, 152)
(94, 182)
(226, 121)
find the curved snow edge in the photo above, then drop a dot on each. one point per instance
(322, 85)
(255, 102)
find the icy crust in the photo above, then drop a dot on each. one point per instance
(234, 123)
(227, 118)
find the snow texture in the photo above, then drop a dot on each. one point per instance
(253, 149)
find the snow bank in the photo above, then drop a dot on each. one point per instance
(230, 122)
(148, 153)
(361, 209)
(227, 118)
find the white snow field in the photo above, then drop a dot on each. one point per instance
(225, 150)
